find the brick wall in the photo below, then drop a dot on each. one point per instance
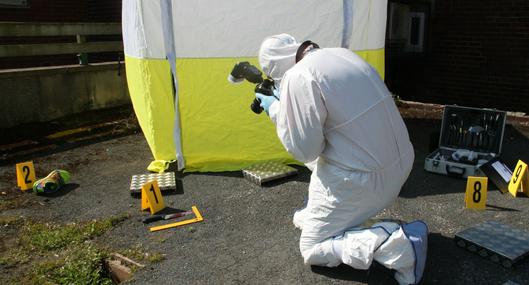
(477, 54)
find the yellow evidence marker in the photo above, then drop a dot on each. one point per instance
(151, 197)
(196, 219)
(476, 194)
(519, 180)
(25, 175)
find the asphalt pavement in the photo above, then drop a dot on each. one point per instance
(247, 236)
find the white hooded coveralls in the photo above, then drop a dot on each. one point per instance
(335, 109)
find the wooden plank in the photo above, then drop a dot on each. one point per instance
(61, 48)
(14, 29)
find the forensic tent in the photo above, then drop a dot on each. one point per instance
(179, 53)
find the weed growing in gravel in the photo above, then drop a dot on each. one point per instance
(80, 264)
(49, 253)
(14, 256)
(137, 252)
(46, 237)
(155, 257)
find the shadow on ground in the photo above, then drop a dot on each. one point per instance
(64, 190)
(375, 275)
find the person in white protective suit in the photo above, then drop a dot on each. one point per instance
(335, 114)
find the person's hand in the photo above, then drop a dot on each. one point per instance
(276, 93)
(266, 101)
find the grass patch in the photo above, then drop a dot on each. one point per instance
(139, 254)
(155, 257)
(14, 257)
(80, 264)
(14, 203)
(10, 220)
(47, 237)
(135, 252)
(49, 253)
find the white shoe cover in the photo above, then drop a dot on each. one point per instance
(397, 253)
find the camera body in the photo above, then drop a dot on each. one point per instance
(266, 88)
(244, 70)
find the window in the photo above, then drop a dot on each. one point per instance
(416, 32)
(398, 21)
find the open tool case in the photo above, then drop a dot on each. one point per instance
(469, 138)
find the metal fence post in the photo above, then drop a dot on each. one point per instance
(83, 57)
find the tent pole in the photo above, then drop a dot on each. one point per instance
(170, 52)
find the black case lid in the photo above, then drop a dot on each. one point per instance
(479, 130)
(498, 172)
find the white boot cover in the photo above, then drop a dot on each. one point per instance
(385, 243)
(397, 253)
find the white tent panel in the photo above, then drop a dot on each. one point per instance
(369, 24)
(142, 25)
(212, 28)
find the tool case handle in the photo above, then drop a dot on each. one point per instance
(456, 171)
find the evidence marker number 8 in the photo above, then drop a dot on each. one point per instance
(476, 193)
(476, 196)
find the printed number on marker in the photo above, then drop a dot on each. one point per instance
(476, 193)
(476, 196)
(26, 171)
(154, 193)
(517, 174)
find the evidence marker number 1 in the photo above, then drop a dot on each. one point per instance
(151, 197)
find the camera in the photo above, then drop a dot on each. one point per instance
(244, 70)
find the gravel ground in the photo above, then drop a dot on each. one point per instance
(247, 236)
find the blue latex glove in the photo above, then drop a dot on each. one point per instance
(276, 93)
(266, 101)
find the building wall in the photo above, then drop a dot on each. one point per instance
(64, 11)
(46, 11)
(476, 54)
(47, 93)
(60, 11)
(44, 88)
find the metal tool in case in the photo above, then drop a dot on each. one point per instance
(481, 135)
(469, 138)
